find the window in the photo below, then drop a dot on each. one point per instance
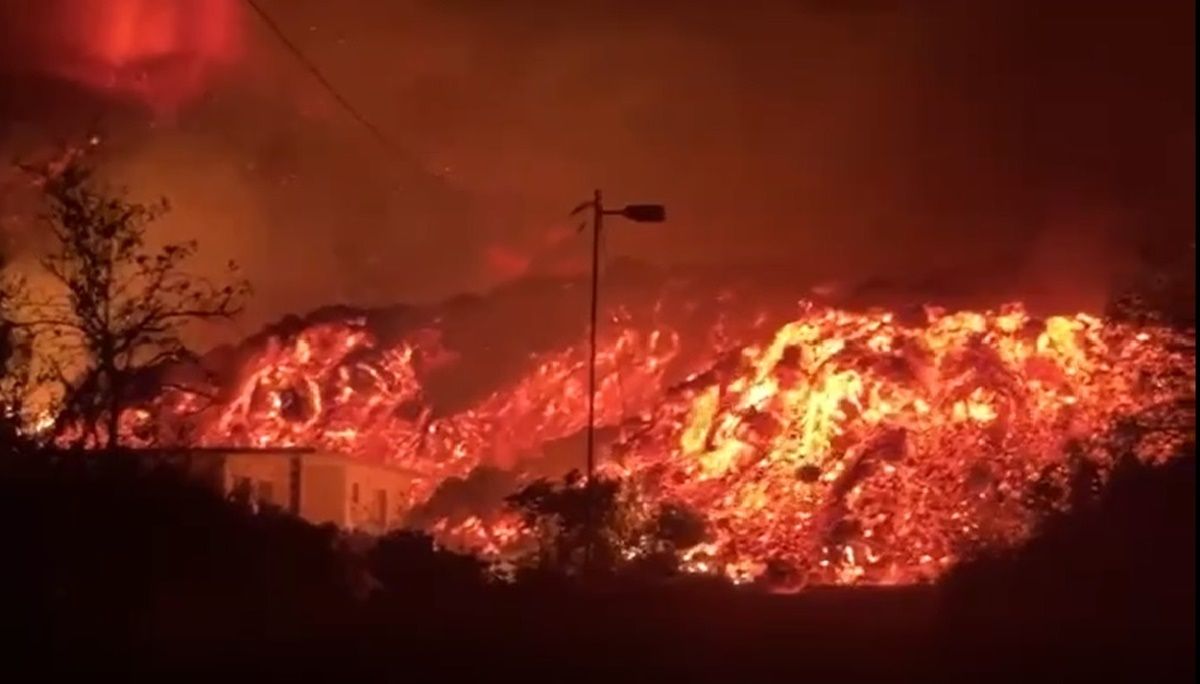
(242, 490)
(354, 493)
(381, 507)
(266, 491)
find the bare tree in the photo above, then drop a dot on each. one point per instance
(121, 304)
(16, 371)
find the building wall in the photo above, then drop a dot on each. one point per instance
(206, 468)
(332, 489)
(376, 497)
(323, 490)
(268, 474)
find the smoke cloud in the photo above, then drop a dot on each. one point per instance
(1051, 143)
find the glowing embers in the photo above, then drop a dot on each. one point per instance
(855, 449)
(847, 448)
(334, 386)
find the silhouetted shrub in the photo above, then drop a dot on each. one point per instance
(406, 563)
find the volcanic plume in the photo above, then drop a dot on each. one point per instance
(846, 139)
(162, 54)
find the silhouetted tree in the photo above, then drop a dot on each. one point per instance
(405, 561)
(568, 515)
(16, 372)
(121, 304)
(674, 529)
(623, 536)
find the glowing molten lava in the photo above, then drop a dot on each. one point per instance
(850, 447)
(853, 448)
(333, 386)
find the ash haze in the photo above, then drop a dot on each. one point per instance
(1051, 143)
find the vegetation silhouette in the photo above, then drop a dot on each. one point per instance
(118, 562)
(621, 544)
(118, 305)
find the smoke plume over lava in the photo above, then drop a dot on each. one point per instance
(162, 54)
(843, 139)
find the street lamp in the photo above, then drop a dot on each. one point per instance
(640, 213)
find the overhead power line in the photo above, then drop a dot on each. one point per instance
(316, 73)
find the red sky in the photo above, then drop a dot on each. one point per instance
(852, 138)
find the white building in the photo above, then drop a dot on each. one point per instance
(319, 487)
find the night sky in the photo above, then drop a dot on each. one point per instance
(1054, 142)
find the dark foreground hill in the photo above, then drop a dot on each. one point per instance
(111, 569)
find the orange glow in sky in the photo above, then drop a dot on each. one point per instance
(162, 52)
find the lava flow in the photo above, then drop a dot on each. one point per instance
(333, 386)
(853, 448)
(847, 448)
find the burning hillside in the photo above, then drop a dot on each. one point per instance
(842, 447)
(857, 448)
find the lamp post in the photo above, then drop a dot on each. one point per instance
(640, 213)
